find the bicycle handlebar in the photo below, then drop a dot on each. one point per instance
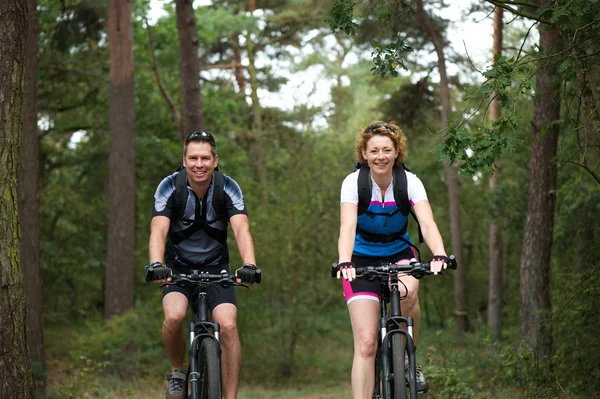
(224, 279)
(414, 268)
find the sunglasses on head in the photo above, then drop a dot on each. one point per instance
(200, 134)
(373, 128)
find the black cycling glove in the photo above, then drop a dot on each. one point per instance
(345, 265)
(443, 258)
(157, 271)
(248, 273)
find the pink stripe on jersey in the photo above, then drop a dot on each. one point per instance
(383, 203)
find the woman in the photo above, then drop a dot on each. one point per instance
(375, 235)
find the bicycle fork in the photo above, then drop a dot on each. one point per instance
(195, 340)
(392, 324)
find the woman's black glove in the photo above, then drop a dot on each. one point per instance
(345, 265)
(442, 258)
(248, 273)
(157, 271)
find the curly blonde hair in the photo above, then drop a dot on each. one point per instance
(387, 129)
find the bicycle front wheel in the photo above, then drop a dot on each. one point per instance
(210, 370)
(398, 367)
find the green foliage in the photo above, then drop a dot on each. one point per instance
(216, 23)
(121, 344)
(387, 58)
(341, 17)
(478, 150)
(576, 323)
(80, 24)
(82, 380)
(449, 382)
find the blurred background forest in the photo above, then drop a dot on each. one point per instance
(508, 152)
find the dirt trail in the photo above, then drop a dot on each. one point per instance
(315, 397)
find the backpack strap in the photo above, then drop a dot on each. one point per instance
(401, 190)
(218, 199)
(181, 193)
(364, 189)
(401, 196)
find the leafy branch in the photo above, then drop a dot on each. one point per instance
(341, 17)
(388, 57)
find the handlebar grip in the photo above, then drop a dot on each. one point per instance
(452, 264)
(257, 276)
(334, 270)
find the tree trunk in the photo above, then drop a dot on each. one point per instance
(121, 187)
(28, 191)
(189, 67)
(16, 379)
(588, 136)
(495, 293)
(461, 310)
(256, 139)
(293, 332)
(536, 330)
(238, 69)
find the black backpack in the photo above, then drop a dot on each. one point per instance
(402, 202)
(180, 201)
(181, 194)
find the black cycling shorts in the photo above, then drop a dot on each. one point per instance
(215, 294)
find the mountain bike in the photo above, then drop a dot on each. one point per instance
(204, 370)
(393, 339)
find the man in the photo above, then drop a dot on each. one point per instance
(197, 240)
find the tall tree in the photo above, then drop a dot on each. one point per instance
(536, 308)
(461, 310)
(495, 292)
(16, 379)
(29, 204)
(189, 67)
(257, 133)
(118, 290)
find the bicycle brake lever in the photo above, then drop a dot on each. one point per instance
(420, 273)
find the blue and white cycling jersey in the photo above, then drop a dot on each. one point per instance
(381, 224)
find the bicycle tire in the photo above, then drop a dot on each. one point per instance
(378, 378)
(210, 370)
(398, 367)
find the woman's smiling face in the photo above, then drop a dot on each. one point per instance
(380, 154)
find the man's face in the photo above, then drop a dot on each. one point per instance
(199, 163)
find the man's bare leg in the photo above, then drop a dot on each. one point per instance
(231, 355)
(175, 306)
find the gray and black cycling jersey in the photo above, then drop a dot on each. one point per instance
(200, 246)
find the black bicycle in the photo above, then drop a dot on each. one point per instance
(204, 370)
(394, 340)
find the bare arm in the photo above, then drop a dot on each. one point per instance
(243, 238)
(158, 238)
(431, 234)
(429, 228)
(348, 219)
